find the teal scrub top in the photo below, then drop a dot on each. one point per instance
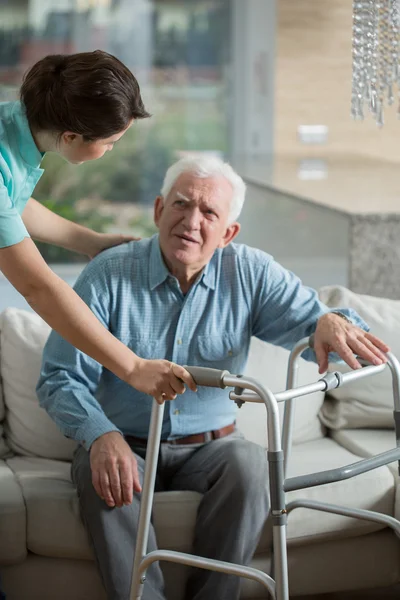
(19, 171)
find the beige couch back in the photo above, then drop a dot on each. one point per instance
(30, 431)
(369, 402)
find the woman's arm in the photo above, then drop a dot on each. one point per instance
(57, 303)
(44, 225)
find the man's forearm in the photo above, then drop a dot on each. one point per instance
(68, 402)
(45, 226)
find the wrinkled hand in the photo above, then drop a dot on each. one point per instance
(161, 379)
(114, 469)
(108, 240)
(334, 334)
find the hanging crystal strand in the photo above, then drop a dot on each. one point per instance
(383, 23)
(375, 56)
(369, 47)
(374, 11)
(392, 67)
(387, 59)
(357, 92)
(395, 48)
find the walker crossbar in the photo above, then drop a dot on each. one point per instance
(206, 563)
(247, 389)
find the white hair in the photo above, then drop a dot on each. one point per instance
(208, 166)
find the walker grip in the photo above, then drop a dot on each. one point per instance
(207, 377)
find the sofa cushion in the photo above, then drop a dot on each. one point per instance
(4, 448)
(268, 364)
(29, 430)
(12, 518)
(54, 527)
(368, 402)
(367, 442)
(372, 490)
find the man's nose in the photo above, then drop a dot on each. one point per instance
(192, 218)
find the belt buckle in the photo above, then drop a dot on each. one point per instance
(208, 436)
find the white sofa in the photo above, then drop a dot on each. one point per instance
(44, 550)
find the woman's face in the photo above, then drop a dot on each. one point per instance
(76, 150)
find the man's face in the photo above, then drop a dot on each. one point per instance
(193, 220)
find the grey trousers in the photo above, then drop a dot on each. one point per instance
(232, 475)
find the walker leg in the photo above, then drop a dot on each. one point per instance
(146, 503)
(279, 520)
(280, 564)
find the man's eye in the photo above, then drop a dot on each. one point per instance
(179, 202)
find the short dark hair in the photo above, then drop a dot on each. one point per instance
(90, 93)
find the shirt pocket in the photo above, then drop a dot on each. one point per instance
(146, 346)
(227, 351)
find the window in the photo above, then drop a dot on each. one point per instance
(180, 53)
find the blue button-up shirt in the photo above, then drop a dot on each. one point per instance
(19, 171)
(240, 293)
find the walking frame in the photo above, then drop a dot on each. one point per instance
(247, 389)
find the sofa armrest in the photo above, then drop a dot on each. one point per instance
(12, 518)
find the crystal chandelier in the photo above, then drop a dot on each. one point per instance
(376, 57)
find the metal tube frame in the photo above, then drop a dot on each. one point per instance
(279, 448)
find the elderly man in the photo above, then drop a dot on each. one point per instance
(190, 296)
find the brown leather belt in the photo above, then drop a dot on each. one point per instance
(196, 438)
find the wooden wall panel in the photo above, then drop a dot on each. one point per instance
(313, 83)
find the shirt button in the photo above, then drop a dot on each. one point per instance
(179, 341)
(176, 412)
(230, 353)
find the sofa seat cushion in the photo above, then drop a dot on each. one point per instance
(373, 490)
(12, 518)
(367, 442)
(54, 526)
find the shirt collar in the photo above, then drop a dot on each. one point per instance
(26, 144)
(158, 272)
(210, 272)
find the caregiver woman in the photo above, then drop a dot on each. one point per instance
(77, 106)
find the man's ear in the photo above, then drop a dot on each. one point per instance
(158, 209)
(230, 233)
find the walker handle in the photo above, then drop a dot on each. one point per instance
(207, 377)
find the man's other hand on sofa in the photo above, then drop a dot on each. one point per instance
(114, 469)
(336, 334)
